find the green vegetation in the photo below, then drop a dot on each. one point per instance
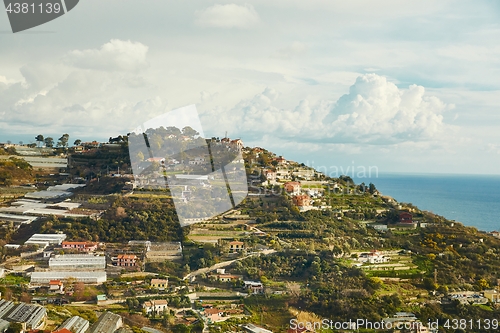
(128, 218)
(316, 267)
(15, 171)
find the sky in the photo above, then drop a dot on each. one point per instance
(398, 86)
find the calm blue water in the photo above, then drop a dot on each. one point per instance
(471, 199)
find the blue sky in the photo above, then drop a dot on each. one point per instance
(403, 86)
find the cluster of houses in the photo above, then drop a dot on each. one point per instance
(303, 198)
(82, 266)
(57, 261)
(251, 287)
(472, 297)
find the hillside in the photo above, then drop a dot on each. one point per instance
(342, 250)
(14, 171)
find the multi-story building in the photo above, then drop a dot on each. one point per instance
(126, 260)
(292, 187)
(156, 306)
(56, 286)
(236, 246)
(160, 284)
(301, 200)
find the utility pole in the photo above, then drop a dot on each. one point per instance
(435, 276)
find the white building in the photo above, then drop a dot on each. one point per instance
(254, 287)
(31, 316)
(156, 306)
(107, 323)
(5, 307)
(251, 328)
(77, 261)
(75, 324)
(45, 240)
(97, 277)
(373, 257)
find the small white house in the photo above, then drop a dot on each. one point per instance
(156, 306)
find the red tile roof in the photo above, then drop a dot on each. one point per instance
(127, 256)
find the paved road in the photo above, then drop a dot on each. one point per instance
(224, 264)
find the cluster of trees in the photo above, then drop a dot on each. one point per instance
(196, 257)
(49, 142)
(462, 256)
(8, 151)
(328, 288)
(166, 142)
(279, 208)
(129, 218)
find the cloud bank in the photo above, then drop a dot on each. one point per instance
(96, 90)
(374, 111)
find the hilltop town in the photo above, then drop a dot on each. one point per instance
(90, 245)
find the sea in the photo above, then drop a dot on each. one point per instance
(473, 200)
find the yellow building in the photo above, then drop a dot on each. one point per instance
(492, 295)
(160, 284)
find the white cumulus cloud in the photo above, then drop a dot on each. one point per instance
(81, 100)
(374, 111)
(228, 16)
(116, 55)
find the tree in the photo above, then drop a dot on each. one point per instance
(77, 142)
(181, 328)
(25, 297)
(39, 139)
(189, 131)
(429, 284)
(14, 328)
(483, 284)
(49, 142)
(173, 130)
(63, 141)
